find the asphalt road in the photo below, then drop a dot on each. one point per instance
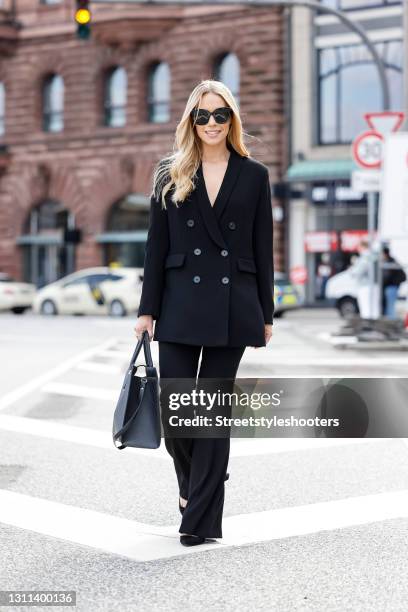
(308, 524)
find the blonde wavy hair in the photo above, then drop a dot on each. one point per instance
(176, 171)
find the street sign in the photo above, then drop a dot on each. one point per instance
(385, 121)
(393, 213)
(368, 152)
(298, 275)
(367, 149)
(350, 240)
(366, 180)
(320, 242)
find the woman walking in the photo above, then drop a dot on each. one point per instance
(208, 279)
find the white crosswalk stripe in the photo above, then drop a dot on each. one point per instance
(142, 542)
(145, 542)
(34, 384)
(99, 368)
(85, 391)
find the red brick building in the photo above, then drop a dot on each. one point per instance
(84, 121)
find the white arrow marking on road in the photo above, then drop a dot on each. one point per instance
(143, 542)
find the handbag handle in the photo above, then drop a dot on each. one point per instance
(143, 341)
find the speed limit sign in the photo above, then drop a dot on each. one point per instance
(367, 149)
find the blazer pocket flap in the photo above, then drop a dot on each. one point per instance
(175, 260)
(246, 265)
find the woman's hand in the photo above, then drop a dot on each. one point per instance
(144, 322)
(268, 335)
(268, 332)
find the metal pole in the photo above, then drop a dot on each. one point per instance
(405, 72)
(313, 4)
(371, 229)
(380, 271)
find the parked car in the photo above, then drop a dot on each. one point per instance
(285, 295)
(15, 296)
(100, 290)
(342, 290)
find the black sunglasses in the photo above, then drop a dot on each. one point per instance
(201, 116)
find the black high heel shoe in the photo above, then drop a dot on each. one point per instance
(191, 540)
(181, 508)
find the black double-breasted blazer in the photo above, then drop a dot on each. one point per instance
(208, 270)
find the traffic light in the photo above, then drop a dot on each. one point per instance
(83, 19)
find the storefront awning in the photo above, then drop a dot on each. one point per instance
(320, 170)
(136, 236)
(40, 239)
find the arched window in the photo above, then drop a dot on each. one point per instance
(115, 97)
(47, 216)
(53, 103)
(127, 223)
(227, 70)
(348, 86)
(2, 109)
(46, 256)
(158, 100)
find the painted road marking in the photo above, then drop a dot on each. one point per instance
(99, 368)
(34, 384)
(116, 354)
(342, 362)
(70, 433)
(270, 358)
(85, 391)
(142, 542)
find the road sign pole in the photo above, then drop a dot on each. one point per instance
(371, 228)
(367, 151)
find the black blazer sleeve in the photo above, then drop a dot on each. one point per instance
(157, 247)
(263, 250)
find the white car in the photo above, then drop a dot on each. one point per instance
(15, 296)
(342, 289)
(101, 290)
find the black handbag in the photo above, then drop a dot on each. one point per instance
(136, 421)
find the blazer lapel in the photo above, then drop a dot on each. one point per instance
(212, 214)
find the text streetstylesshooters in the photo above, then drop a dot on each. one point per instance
(223, 421)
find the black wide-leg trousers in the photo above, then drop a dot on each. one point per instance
(201, 462)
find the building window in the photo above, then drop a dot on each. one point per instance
(115, 97)
(2, 109)
(46, 257)
(124, 241)
(227, 70)
(349, 86)
(53, 103)
(158, 102)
